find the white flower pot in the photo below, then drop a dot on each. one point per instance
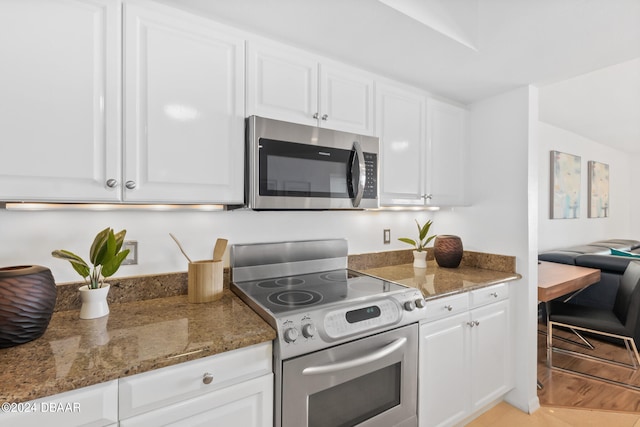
(94, 302)
(420, 259)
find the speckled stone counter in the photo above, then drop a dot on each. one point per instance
(135, 337)
(436, 282)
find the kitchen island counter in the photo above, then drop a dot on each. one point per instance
(135, 337)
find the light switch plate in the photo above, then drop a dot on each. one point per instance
(132, 257)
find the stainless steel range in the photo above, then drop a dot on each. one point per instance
(347, 343)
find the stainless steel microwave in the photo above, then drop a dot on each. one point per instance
(293, 166)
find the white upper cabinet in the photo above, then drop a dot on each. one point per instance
(184, 109)
(59, 108)
(448, 151)
(423, 148)
(290, 85)
(400, 125)
(63, 102)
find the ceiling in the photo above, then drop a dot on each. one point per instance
(583, 54)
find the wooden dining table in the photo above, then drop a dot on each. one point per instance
(556, 280)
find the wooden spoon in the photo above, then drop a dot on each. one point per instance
(219, 248)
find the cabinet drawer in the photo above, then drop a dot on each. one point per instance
(489, 294)
(96, 405)
(443, 307)
(151, 390)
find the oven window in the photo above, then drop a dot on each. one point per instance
(302, 170)
(357, 400)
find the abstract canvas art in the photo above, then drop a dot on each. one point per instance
(565, 185)
(598, 190)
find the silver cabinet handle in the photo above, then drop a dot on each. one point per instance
(372, 357)
(112, 183)
(316, 115)
(494, 294)
(325, 117)
(473, 323)
(207, 378)
(130, 185)
(448, 307)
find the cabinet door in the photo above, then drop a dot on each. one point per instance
(282, 84)
(447, 167)
(249, 404)
(59, 109)
(444, 371)
(184, 110)
(491, 356)
(346, 100)
(400, 126)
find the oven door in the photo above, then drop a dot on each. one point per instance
(368, 382)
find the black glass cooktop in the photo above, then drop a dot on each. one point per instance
(282, 294)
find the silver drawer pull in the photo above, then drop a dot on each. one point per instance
(207, 378)
(473, 323)
(448, 307)
(494, 294)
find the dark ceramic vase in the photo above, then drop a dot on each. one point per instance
(27, 298)
(447, 251)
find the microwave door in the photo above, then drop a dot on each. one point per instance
(357, 174)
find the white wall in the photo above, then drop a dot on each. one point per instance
(29, 237)
(502, 217)
(558, 233)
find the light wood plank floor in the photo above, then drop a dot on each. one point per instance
(570, 400)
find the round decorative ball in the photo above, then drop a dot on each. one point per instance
(447, 250)
(27, 298)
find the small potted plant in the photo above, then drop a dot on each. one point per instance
(106, 257)
(420, 254)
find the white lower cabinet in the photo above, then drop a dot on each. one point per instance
(96, 406)
(465, 356)
(232, 388)
(248, 403)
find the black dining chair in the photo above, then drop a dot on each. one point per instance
(622, 322)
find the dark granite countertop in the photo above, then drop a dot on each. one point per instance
(436, 282)
(135, 337)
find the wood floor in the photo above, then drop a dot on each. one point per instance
(567, 390)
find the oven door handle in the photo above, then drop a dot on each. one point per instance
(340, 366)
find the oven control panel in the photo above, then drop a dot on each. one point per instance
(306, 332)
(347, 321)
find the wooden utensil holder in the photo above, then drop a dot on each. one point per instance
(204, 281)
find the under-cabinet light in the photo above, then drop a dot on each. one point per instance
(18, 206)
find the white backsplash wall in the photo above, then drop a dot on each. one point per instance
(28, 237)
(559, 233)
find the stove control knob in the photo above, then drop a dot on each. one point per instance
(290, 335)
(420, 303)
(409, 306)
(308, 330)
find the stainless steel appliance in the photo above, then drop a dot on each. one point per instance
(346, 351)
(292, 166)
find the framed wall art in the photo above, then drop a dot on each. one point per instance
(598, 190)
(565, 185)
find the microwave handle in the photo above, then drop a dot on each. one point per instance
(362, 177)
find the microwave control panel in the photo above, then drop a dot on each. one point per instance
(371, 186)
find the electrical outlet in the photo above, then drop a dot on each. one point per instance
(386, 236)
(132, 257)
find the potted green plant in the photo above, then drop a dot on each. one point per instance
(420, 254)
(106, 256)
